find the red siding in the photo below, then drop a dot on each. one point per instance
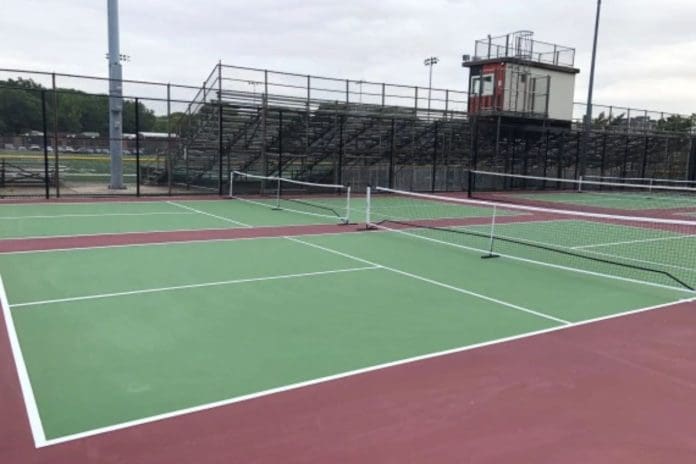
(489, 102)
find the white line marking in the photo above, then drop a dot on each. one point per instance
(205, 284)
(222, 218)
(342, 375)
(60, 216)
(37, 430)
(537, 263)
(431, 281)
(628, 242)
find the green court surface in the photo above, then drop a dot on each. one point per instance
(616, 200)
(115, 335)
(60, 219)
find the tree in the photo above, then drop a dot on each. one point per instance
(677, 123)
(604, 121)
(77, 111)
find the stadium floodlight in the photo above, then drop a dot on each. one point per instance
(430, 62)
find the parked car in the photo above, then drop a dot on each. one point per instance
(34, 147)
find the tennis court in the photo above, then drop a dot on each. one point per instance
(113, 336)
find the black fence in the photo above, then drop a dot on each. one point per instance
(182, 140)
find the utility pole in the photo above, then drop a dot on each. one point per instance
(115, 98)
(588, 114)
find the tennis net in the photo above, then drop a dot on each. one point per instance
(624, 198)
(651, 251)
(647, 181)
(328, 201)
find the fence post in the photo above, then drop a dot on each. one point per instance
(137, 147)
(644, 163)
(280, 146)
(264, 127)
(55, 135)
(341, 148)
(220, 148)
(691, 173)
(391, 153)
(546, 155)
(45, 142)
(220, 136)
(446, 102)
(168, 160)
(434, 168)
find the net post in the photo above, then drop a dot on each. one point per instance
(492, 237)
(580, 179)
(231, 194)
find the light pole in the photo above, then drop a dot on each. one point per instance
(115, 98)
(430, 62)
(588, 114)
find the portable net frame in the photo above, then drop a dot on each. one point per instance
(651, 251)
(624, 197)
(328, 201)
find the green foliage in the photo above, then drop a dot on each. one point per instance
(677, 123)
(161, 122)
(604, 121)
(77, 111)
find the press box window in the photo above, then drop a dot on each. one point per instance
(487, 85)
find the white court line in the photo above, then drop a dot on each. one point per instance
(342, 375)
(205, 284)
(59, 216)
(628, 242)
(35, 424)
(222, 218)
(431, 281)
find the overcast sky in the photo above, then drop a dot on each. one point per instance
(647, 51)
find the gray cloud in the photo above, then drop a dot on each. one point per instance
(646, 56)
